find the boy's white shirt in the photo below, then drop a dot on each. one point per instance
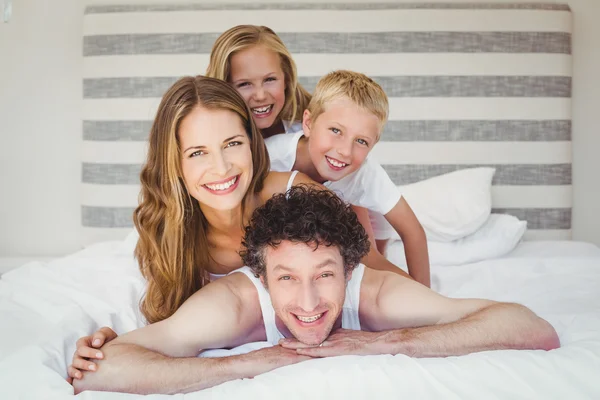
(369, 186)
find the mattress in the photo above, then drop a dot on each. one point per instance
(46, 307)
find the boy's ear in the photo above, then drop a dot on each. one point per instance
(306, 123)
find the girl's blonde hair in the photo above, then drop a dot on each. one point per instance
(243, 36)
(172, 250)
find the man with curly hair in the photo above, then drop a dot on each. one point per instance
(305, 292)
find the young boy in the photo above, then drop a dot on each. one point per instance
(343, 122)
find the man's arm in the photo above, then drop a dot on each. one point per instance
(404, 221)
(144, 361)
(404, 317)
(131, 368)
(431, 325)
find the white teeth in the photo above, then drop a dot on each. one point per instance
(222, 186)
(262, 110)
(335, 163)
(309, 319)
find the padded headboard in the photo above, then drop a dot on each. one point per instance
(469, 85)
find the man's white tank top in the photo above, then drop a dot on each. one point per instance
(350, 318)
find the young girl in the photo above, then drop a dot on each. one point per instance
(256, 62)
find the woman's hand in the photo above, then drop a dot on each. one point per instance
(87, 351)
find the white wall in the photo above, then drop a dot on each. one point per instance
(40, 105)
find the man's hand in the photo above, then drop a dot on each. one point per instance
(340, 343)
(264, 360)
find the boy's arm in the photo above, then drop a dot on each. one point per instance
(404, 221)
(277, 182)
(145, 360)
(371, 187)
(375, 259)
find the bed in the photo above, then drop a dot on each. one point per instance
(470, 85)
(48, 306)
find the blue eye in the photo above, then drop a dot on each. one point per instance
(285, 278)
(335, 131)
(363, 142)
(270, 79)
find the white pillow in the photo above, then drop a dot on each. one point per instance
(498, 236)
(453, 205)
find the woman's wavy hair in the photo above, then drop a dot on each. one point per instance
(172, 250)
(243, 36)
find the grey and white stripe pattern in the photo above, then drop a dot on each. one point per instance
(469, 84)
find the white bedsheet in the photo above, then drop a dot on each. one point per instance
(45, 307)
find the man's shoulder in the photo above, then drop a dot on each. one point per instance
(372, 281)
(237, 283)
(375, 284)
(234, 289)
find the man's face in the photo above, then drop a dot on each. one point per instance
(307, 288)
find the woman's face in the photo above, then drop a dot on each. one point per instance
(257, 75)
(216, 157)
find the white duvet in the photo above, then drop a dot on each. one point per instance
(44, 308)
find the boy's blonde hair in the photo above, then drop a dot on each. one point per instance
(359, 88)
(241, 37)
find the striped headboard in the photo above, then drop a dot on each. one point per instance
(469, 84)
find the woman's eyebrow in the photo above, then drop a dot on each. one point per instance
(231, 138)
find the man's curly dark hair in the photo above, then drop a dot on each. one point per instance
(308, 215)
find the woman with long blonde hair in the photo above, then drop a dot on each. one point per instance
(207, 169)
(177, 249)
(259, 66)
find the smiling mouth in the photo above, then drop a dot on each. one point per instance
(217, 187)
(310, 319)
(335, 163)
(262, 110)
